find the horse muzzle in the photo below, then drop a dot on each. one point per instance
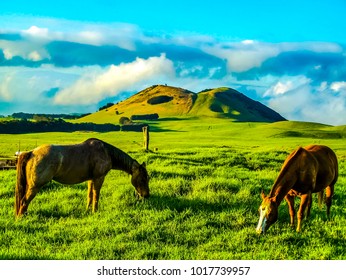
(262, 226)
(139, 196)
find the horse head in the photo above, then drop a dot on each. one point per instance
(268, 212)
(140, 179)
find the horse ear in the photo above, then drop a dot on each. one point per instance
(144, 164)
(262, 194)
(135, 165)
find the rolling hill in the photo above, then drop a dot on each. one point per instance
(168, 101)
(229, 103)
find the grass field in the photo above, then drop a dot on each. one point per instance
(206, 177)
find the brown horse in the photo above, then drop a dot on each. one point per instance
(71, 164)
(305, 171)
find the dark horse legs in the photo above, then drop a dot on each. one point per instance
(94, 188)
(329, 195)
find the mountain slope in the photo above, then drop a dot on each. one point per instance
(167, 101)
(229, 103)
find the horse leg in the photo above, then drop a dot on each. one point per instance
(96, 188)
(90, 194)
(329, 196)
(308, 207)
(29, 196)
(290, 203)
(303, 204)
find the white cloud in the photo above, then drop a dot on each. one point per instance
(5, 94)
(34, 56)
(242, 56)
(323, 86)
(92, 89)
(7, 54)
(245, 55)
(248, 42)
(328, 110)
(310, 103)
(281, 88)
(289, 104)
(338, 86)
(31, 50)
(36, 33)
(285, 85)
(116, 34)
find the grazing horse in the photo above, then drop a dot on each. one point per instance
(71, 164)
(305, 171)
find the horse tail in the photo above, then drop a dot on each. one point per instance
(320, 198)
(21, 179)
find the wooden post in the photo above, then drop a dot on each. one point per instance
(146, 137)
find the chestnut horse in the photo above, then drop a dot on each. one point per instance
(305, 171)
(71, 164)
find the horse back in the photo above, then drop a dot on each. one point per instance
(82, 162)
(327, 165)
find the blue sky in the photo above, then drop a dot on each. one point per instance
(74, 56)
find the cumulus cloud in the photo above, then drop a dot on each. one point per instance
(285, 85)
(7, 54)
(338, 86)
(26, 50)
(91, 89)
(35, 32)
(279, 88)
(309, 103)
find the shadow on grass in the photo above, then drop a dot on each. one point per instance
(179, 204)
(55, 186)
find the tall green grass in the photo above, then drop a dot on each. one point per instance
(205, 185)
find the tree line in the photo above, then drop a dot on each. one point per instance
(47, 117)
(59, 125)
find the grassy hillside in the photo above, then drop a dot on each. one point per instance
(170, 102)
(164, 100)
(206, 177)
(229, 103)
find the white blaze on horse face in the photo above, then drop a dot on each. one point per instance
(262, 221)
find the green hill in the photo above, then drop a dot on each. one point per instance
(229, 103)
(167, 102)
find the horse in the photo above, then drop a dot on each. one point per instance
(89, 161)
(308, 170)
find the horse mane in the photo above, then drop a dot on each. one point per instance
(120, 159)
(287, 164)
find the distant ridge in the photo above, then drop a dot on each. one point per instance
(168, 101)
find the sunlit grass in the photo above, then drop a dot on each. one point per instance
(205, 188)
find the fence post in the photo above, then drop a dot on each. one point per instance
(146, 137)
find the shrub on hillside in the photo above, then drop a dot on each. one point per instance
(148, 117)
(137, 127)
(124, 121)
(106, 106)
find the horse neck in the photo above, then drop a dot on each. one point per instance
(287, 177)
(120, 160)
